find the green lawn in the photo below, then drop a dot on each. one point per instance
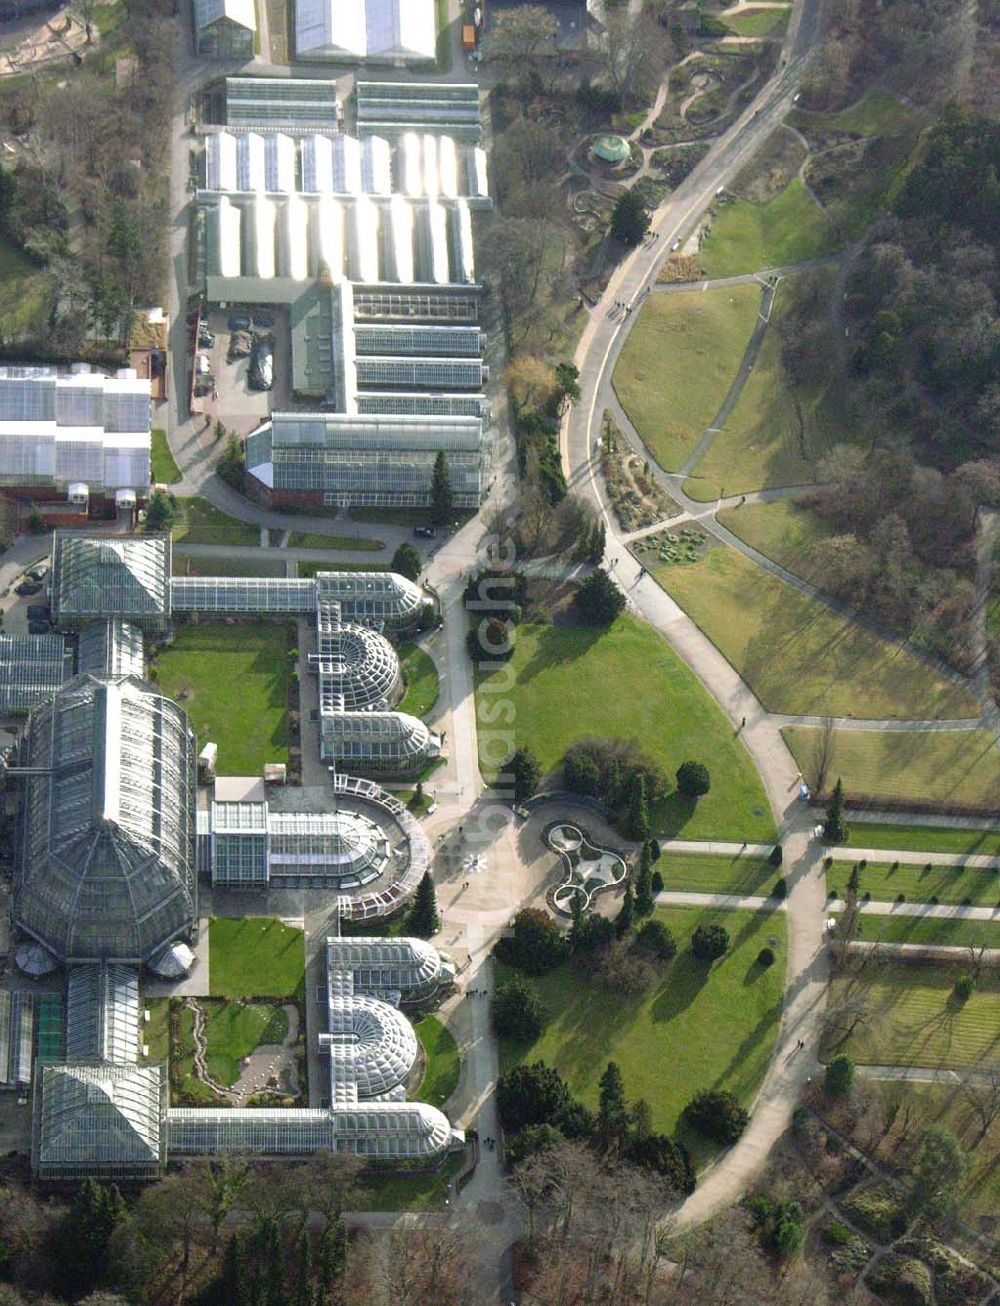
(220, 565)
(254, 957)
(156, 1031)
(783, 532)
(423, 1191)
(199, 522)
(747, 237)
(626, 683)
(422, 684)
(698, 1028)
(949, 884)
(25, 292)
(930, 930)
(796, 654)
(933, 766)
(165, 469)
(232, 682)
(711, 873)
(359, 543)
(757, 22)
(234, 1029)
(678, 363)
(441, 1074)
(911, 1017)
(924, 838)
(876, 114)
(777, 432)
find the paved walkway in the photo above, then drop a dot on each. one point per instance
(926, 1075)
(727, 901)
(934, 911)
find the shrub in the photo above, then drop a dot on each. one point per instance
(406, 561)
(717, 1114)
(901, 897)
(765, 957)
(654, 849)
(780, 889)
(837, 1235)
(667, 1157)
(524, 773)
(776, 855)
(657, 882)
(536, 944)
(827, 863)
(879, 1210)
(839, 1076)
(517, 1010)
(710, 942)
(534, 1094)
(656, 939)
(902, 1279)
(693, 779)
(625, 970)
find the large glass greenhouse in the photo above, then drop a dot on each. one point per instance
(97, 576)
(105, 863)
(377, 743)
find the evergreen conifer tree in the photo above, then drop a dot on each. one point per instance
(441, 496)
(835, 827)
(423, 920)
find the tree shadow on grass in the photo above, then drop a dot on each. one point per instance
(556, 645)
(686, 978)
(671, 814)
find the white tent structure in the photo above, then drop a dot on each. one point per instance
(384, 31)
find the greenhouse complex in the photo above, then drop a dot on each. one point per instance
(368, 241)
(113, 839)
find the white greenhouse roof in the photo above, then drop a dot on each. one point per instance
(241, 12)
(366, 29)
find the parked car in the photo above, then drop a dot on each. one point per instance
(263, 317)
(28, 587)
(239, 345)
(38, 612)
(206, 338)
(239, 320)
(204, 385)
(261, 365)
(203, 365)
(39, 628)
(425, 532)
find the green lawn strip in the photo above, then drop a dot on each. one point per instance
(797, 655)
(712, 1027)
(306, 570)
(678, 363)
(950, 1106)
(565, 683)
(921, 766)
(924, 838)
(912, 1017)
(876, 114)
(422, 1191)
(266, 565)
(777, 432)
(232, 682)
(25, 291)
(165, 469)
(757, 22)
(746, 237)
(422, 684)
(441, 1072)
(785, 533)
(418, 806)
(930, 930)
(156, 1031)
(254, 956)
(949, 884)
(712, 873)
(358, 543)
(200, 522)
(234, 1029)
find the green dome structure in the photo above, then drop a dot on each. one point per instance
(610, 148)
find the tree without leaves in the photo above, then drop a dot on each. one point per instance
(982, 1091)
(938, 1167)
(633, 48)
(521, 35)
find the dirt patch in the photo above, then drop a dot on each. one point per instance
(776, 164)
(552, 602)
(681, 267)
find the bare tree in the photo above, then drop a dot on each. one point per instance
(633, 49)
(823, 755)
(521, 37)
(982, 1090)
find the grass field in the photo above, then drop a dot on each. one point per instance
(234, 1029)
(777, 432)
(924, 838)
(678, 363)
(746, 237)
(25, 293)
(876, 114)
(930, 930)
(757, 22)
(254, 956)
(359, 543)
(156, 1030)
(913, 1018)
(165, 469)
(711, 873)
(266, 565)
(422, 684)
(783, 532)
(797, 655)
(949, 884)
(425, 1191)
(441, 1074)
(624, 682)
(199, 522)
(713, 1028)
(920, 766)
(232, 681)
